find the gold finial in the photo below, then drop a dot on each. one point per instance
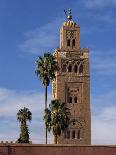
(68, 14)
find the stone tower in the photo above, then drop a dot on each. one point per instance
(72, 84)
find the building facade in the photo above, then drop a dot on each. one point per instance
(72, 83)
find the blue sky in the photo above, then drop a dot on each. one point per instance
(28, 28)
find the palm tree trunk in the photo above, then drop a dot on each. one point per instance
(45, 97)
(55, 139)
(46, 107)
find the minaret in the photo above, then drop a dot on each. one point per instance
(72, 84)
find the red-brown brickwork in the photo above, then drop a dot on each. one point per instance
(32, 149)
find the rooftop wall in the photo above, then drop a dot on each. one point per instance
(33, 149)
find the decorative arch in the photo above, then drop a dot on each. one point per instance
(76, 122)
(73, 42)
(73, 134)
(70, 68)
(68, 42)
(81, 68)
(78, 134)
(75, 99)
(78, 128)
(75, 68)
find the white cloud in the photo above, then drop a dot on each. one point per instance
(91, 4)
(107, 99)
(109, 114)
(103, 62)
(107, 18)
(104, 126)
(10, 102)
(5, 136)
(16, 100)
(103, 116)
(100, 14)
(42, 38)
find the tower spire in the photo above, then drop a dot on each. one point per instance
(68, 14)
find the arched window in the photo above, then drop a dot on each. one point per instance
(78, 134)
(75, 99)
(78, 62)
(73, 122)
(69, 68)
(75, 68)
(68, 42)
(70, 99)
(64, 68)
(73, 134)
(73, 42)
(81, 69)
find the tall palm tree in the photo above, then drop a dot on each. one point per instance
(56, 118)
(46, 67)
(23, 116)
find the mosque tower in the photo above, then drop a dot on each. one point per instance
(72, 83)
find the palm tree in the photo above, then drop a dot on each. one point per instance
(23, 116)
(56, 118)
(46, 67)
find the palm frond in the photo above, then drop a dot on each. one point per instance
(46, 67)
(57, 117)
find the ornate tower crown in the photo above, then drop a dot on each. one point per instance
(69, 34)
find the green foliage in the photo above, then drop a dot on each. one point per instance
(47, 118)
(46, 67)
(23, 116)
(56, 117)
(24, 135)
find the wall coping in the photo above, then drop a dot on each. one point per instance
(53, 145)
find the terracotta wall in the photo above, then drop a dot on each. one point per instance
(16, 149)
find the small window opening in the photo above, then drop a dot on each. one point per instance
(68, 42)
(73, 42)
(81, 69)
(78, 62)
(73, 122)
(75, 100)
(75, 68)
(78, 134)
(73, 135)
(70, 99)
(69, 68)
